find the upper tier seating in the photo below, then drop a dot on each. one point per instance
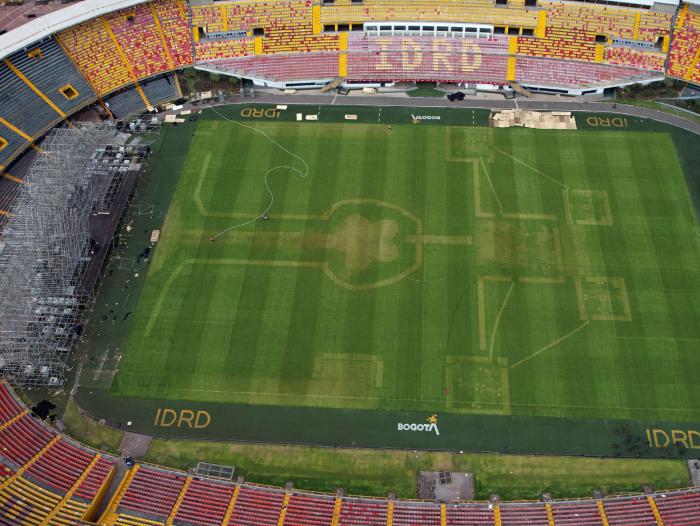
(173, 18)
(96, 55)
(130, 44)
(635, 58)
(49, 69)
(684, 57)
(615, 21)
(612, 21)
(566, 43)
(224, 49)
(140, 40)
(39, 87)
(287, 24)
(477, 11)
(31, 100)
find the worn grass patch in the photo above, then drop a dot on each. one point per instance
(376, 472)
(88, 431)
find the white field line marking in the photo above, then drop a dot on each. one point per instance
(498, 320)
(549, 346)
(301, 173)
(493, 189)
(531, 167)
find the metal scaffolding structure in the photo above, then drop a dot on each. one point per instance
(47, 248)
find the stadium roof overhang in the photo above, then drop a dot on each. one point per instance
(50, 23)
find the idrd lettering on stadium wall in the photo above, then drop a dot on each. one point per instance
(166, 417)
(442, 55)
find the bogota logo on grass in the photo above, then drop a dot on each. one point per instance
(418, 118)
(429, 427)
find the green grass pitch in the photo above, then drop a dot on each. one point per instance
(468, 269)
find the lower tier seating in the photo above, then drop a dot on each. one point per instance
(365, 512)
(472, 514)
(125, 102)
(9, 408)
(299, 66)
(679, 508)
(515, 514)
(161, 89)
(398, 66)
(152, 493)
(205, 503)
(260, 506)
(45, 478)
(424, 58)
(634, 511)
(406, 514)
(566, 73)
(309, 509)
(130, 102)
(577, 512)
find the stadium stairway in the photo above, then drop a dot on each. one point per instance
(332, 85)
(519, 89)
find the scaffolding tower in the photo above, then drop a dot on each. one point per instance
(47, 246)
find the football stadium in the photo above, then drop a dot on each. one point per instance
(350, 262)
